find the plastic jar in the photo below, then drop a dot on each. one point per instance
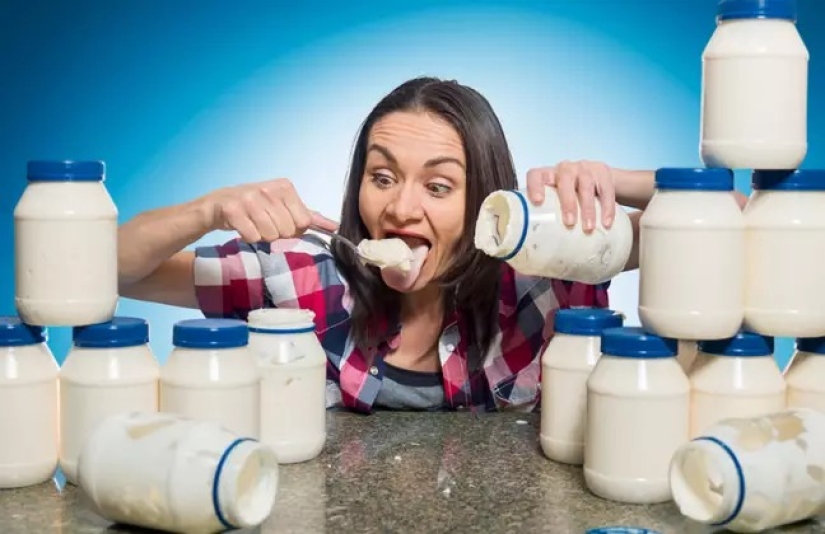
(753, 474)
(109, 370)
(692, 256)
(755, 87)
(212, 376)
(566, 365)
(737, 377)
(785, 226)
(28, 405)
(535, 241)
(806, 388)
(638, 414)
(293, 382)
(65, 245)
(167, 472)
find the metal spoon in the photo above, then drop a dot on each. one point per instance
(341, 239)
(365, 258)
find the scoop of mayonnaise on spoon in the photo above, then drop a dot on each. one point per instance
(400, 265)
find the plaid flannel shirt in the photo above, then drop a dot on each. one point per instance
(235, 278)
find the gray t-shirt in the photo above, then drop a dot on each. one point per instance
(404, 389)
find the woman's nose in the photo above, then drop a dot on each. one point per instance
(406, 206)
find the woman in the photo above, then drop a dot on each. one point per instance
(467, 332)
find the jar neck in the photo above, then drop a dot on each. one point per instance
(707, 482)
(281, 321)
(501, 227)
(245, 484)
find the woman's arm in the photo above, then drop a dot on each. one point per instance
(152, 264)
(634, 189)
(633, 259)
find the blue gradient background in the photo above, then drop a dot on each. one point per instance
(183, 97)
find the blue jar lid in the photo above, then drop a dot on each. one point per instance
(815, 345)
(14, 332)
(688, 179)
(756, 9)
(790, 180)
(210, 334)
(119, 332)
(586, 321)
(635, 342)
(621, 530)
(742, 344)
(65, 171)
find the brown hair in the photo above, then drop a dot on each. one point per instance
(471, 283)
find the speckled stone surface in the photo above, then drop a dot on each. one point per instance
(404, 472)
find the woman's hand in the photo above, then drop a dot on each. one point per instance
(578, 184)
(262, 211)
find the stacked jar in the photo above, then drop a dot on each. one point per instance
(28, 405)
(692, 256)
(638, 414)
(754, 87)
(806, 389)
(785, 226)
(212, 376)
(566, 365)
(110, 370)
(293, 367)
(754, 117)
(65, 245)
(736, 377)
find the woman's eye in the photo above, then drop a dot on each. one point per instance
(439, 189)
(382, 180)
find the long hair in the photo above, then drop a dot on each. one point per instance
(471, 282)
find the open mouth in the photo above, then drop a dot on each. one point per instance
(405, 279)
(412, 241)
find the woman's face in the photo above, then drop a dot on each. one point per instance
(414, 187)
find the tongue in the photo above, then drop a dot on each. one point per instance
(401, 280)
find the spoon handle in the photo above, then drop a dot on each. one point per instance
(337, 237)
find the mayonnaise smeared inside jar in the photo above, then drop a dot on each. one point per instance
(535, 242)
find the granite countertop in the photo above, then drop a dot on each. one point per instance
(403, 472)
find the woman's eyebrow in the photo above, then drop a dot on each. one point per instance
(443, 159)
(434, 162)
(384, 151)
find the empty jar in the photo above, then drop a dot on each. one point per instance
(753, 474)
(692, 256)
(169, 472)
(535, 241)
